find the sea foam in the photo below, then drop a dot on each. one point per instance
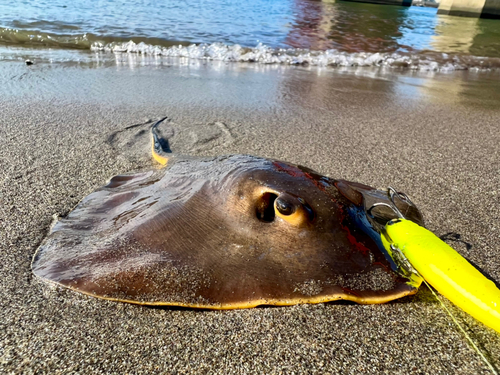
(423, 61)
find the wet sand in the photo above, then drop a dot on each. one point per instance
(435, 137)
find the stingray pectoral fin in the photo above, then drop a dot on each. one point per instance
(159, 146)
(364, 300)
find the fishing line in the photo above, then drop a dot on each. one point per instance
(478, 351)
(416, 250)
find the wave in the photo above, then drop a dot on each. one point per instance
(424, 61)
(35, 38)
(81, 41)
(263, 54)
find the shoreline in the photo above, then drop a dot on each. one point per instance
(129, 54)
(433, 137)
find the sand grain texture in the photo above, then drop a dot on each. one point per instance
(435, 138)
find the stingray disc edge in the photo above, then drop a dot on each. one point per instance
(249, 304)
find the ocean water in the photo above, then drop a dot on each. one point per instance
(263, 31)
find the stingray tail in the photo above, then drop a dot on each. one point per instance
(159, 146)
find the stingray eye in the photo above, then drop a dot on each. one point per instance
(292, 209)
(284, 207)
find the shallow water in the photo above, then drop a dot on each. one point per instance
(281, 31)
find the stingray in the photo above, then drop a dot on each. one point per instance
(224, 232)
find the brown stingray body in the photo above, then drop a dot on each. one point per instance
(225, 232)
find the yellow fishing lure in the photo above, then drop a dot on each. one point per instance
(445, 269)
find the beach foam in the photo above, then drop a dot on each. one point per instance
(424, 61)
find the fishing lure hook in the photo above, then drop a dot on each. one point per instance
(392, 194)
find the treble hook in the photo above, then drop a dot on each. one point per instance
(392, 193)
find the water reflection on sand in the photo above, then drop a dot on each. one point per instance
(246, 85)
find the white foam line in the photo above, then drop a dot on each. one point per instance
(429, 61)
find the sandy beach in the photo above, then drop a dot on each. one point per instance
(434, 136)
